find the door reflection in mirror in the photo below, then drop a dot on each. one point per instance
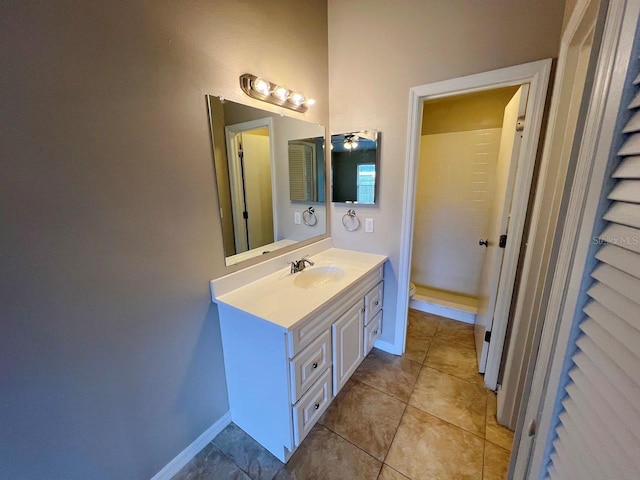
(249, 159)
(269, 169)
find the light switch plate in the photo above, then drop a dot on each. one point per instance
(368, 225)
(297, 218)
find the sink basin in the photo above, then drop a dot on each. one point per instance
(317, 277)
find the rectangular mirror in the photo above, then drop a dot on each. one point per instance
(270, 178)
(354, 165)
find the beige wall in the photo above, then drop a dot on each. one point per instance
(472, 111)
(379, 49)
(110, 354)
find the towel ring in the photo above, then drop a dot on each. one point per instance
(351, 218)
(309, 217)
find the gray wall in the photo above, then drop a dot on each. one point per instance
(110, 354)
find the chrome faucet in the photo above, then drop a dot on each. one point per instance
(299, 265)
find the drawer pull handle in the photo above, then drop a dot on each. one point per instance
(376, 303)
(315, 365)
(316, 406)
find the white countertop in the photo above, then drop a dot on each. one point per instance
(256, 252)
(275, 297)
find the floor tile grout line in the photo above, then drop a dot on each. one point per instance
(349, 441)
(230, 458)
(452, 424)
(473, 382)
(424, 365)
(394, 435)
(498, 446)
(396, 470)
(379, 390)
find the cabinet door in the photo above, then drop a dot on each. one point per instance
(372, 332)
(348, 345)
(373, 302)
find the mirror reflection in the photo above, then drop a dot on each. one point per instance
(269, 173)
(306, 170)
(354, 165)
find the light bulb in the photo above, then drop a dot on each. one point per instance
(354, 145)
(296, 98)
(310, 102)
(347, 145)
(261, 86)
(281, 93)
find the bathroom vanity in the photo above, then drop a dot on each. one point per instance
(292, 340)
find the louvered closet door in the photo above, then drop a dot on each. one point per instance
(598, 433)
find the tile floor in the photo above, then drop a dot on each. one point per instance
(425, 415)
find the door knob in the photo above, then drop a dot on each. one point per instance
(484, 242)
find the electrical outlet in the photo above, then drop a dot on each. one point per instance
(368, 225)
(297, 218)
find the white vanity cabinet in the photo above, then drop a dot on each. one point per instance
(282, 377)
(348, 345)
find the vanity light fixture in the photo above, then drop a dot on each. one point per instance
(261, 89)
(281, 93)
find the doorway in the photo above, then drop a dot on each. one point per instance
(469, 153)
(536, 75)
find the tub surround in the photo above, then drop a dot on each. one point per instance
(462, 308)
(291, 341)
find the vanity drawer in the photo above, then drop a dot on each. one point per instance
(309, 364)
(373, 302)
(311, 406)
(372, 332)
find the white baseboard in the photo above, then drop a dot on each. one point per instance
(442, 311)
(184, 457)
(388, 347)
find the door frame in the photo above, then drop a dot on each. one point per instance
(545, 224)
(591, 159)
(235, 177)
(536, 74)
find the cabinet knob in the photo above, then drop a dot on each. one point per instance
(363, 310)
(316, 406)
(315, 365)
(375, 332)
(376, 303)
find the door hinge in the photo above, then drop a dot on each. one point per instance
(487, 336)
(520, 124)
(533, 426)
(503, 241)
(245, 215)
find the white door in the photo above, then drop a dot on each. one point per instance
(498, 221)
(348, 345)
(249, 155)
(257, 187)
